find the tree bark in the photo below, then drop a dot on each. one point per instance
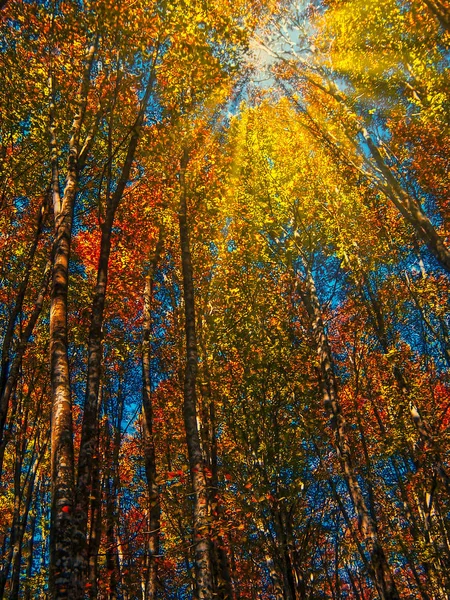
(17, 555)
(14, 371)
(9, 334)
(409, 208)
(62, 454)
(154, 507)
(201, 524)
(89, 432)
(29, 569)
(382, 575)
(220, 564)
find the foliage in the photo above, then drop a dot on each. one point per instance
(309, 144)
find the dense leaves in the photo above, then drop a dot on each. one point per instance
(224, 303)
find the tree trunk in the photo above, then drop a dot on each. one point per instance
(14, 533)
(89, 432)
(62, 465)
(17, 555)
(29, 571)
(154, 506)
(201, 524)
(95, 532)
(61, 456)
(381, 173)
(112, 557)
(20, 296)
(220, 563)
(382, 575)
(409, 208)
(440, 11)
(14, 371)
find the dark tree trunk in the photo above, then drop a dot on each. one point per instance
(17, 555)
(154, 507)
(95, 531)
(17, 308)
(201, 523)
(14, 533)
(220, 565)
(90, 432)
(29, 571)
(14, 371)
(440, 11)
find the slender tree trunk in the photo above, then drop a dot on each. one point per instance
(382, 575)
(409, 208)
(29, 571)
(154, 507)
(14, 371)
(279, 520)
(201, 524)
(112, 559)
(423, 429)
(154, 512)
(112, 433)
(14, 532)
(20, 296)
(94, 542)
(95, 532)
(219, 557)
(17, 555)
(372, 504)
(352, 583)
(346, 516)
(90, 432)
